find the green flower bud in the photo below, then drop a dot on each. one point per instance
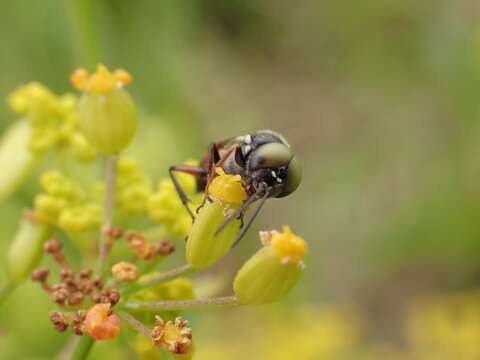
(204, 247)
(26, 249)
(108, 117)
(273, 271)
(16, 161)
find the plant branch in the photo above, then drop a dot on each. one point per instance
(159, 278)
(171, 305)
(110, 184)
(84, 345)
(137, 325)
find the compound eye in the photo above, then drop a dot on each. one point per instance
(293, 178)
(271, 155)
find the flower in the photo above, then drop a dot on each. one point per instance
(204, 245)
(108, 117)
(227, 188)
(125, 271)
(173, 336)
(274, 270)
(101, 323)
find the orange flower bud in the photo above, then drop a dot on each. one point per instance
(101, 323)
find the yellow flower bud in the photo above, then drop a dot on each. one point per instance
(204, 247)
(108, 117)
(227, 188)
(26, 249)
(274, 270)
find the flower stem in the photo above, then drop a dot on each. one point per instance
(172, 305)
(135, 324)
(159, 278)
(84, 345)
(110, 184)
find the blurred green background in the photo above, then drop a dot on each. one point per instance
(379, 98)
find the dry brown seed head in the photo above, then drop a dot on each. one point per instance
(77, 322)
(59, 320)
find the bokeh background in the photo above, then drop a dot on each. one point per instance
(380, 100)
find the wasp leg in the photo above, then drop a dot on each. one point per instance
(188, 169)
(237, 213)
(249, 223)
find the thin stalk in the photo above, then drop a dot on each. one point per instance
(173, 305)
(135, 324)
(84, 31)
(84, 345)
(159, 278)
(110, 184)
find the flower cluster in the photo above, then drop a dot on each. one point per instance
(135, 224)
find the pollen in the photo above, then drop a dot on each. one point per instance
(102, 81)
(290, 248)
(227, 188)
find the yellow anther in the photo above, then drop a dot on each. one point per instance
(102, 81)
(227, 188)
(288, 246)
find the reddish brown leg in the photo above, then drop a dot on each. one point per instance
(188, 169)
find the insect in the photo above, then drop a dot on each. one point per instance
(265, 161)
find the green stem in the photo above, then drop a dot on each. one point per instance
(135, 324)
(110, 184)
(5, 291)
(173, 305)
(84, 31)
(152, 280)
(84, 345)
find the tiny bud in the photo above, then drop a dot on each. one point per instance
(101, 323)
(40, 274)
(114, 232)
(77, 322)
(76, 298)
(59, 320)
(273, 271)
(60, 295)
(85, 273)
(173, 336)
(66, 274)
(97, 282)
(124, 271)
(52, 246)
(163, 247)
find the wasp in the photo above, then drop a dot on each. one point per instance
(266, 162)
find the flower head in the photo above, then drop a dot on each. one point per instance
(227, 188)
(124, 271)
(290, 248)
(173, 336)
(102, 81)
(274, 270)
